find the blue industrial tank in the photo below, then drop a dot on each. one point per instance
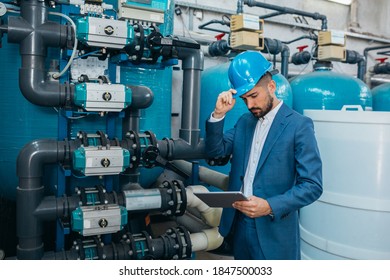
(381, 98)
(215, 80)
(324, 89)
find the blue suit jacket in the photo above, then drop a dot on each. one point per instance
(288, 176)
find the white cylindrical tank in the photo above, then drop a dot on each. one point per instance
(351, 220)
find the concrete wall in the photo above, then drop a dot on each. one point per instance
(366, 23)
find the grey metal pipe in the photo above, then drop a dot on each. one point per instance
(219, 48)
(171, 149)
(142, 97)
(285, 58)
(353, 57)
(285, 10)
(361, 66)
(274, 46)
(52, 207)
(240, 6)
(365, 54)
(190, 130)
(166, 247)
(36, 89)
(206, 175)
(191, 222)
(130, 122)
(35, 34)
(32, 208)
(192, 65)
(30, 162)
(382, 68)
(175, 244)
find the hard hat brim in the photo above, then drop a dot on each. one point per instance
(244, 89)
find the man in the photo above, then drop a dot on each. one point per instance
(275, 162)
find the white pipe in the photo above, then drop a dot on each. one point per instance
(206, 175)
(211, 216)
(206, 240)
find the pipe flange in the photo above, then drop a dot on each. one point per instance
(149, 156)
(152, 138)
(128, 240)
(183, 240)
(140, 250)
(155, 51)
(136, 51)
(99, 248)
(180, 189)
(134, 137)
(83, 136)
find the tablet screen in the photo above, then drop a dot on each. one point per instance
(221, 199)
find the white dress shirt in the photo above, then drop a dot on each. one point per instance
(261, 132)
(262, 128)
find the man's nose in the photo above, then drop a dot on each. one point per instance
(249, 104)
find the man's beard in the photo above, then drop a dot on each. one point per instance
(259, 112)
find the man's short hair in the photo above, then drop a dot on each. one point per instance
(264, 80)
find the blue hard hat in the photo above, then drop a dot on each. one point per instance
(246, 69)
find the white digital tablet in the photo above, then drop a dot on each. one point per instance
(221, 199)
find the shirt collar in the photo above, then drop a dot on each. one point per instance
(271, 114)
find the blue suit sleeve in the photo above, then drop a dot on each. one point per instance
(308, 183)
(218, 143)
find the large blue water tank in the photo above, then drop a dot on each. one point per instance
(381, 98)
(215, 80)
(324, 89)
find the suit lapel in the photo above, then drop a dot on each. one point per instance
(277, 127)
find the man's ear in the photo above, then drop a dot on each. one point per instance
(271, 86)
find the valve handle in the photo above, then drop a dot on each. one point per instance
(381, 59)
(219, 36)
(302, 48)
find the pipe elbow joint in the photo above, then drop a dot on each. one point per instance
(285, 50)
(191, 58)
(142, 97)
(35, 155)
(40, 92)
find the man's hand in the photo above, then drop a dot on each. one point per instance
(225, 103)
(254, 207)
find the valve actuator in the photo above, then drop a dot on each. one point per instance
(99, 219)
(102, 97)
(101, 160)
(104, 33)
